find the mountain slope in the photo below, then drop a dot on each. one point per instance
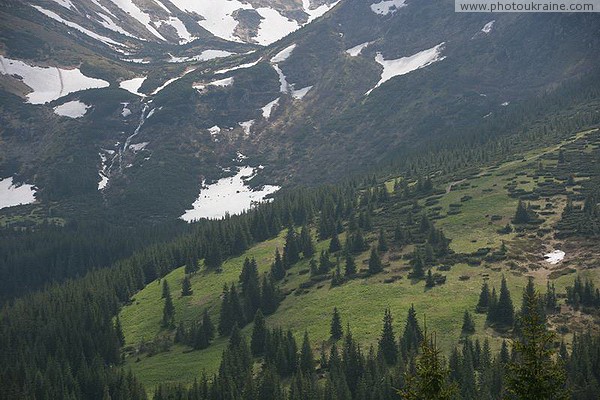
(361, 86)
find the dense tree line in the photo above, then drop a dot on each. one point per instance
(404, 366)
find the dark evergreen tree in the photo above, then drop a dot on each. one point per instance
(336, 330)
(291, 249)
(430, 380)
(468, 326)
(186, 286)
(259, 335)
(387, 341)
(278, 269)
(307, 362)
(429, 281)
(334, 244)
(269, 296)
(168, 319)
(504, 313)
(522, 214)
(418, 269)
(350, 269)
(484, 298)
(375, 265)
(534, 374)
(412, 336)
(306, 241)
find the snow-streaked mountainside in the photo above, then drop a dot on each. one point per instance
(116, 103)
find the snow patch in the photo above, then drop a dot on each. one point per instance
(138, 146)
(317, 12)
(227, 196)
(126, 112)
(215, 130)
(204, 56)
(73, 25)
(386, 7)
(273, 26)
(167, 83)
(241, 66)
(71, 109)
(283, 54)
(15, 195)
(182, 32)
(247, 126)
(300, 93)
(66, 4)
(555, 257)
(404, 65)
(109, 23)
(487, 28)
(356, 50)
(506, 103)
(48, 83)
(268, 109)
(133, 85)
(130, 8)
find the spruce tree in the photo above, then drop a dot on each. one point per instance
(534, 374)
(278, 269)
(186, 286)
(418, 270)
(335, 330)
(429, 281)
(484, 298)
(307, 362)
(505, 313)
(227, 319)
(168, 319)
(306, 242)
(119, 331)
(259, 335)
(334, 244)
(213, 258)
(522, 214)
(350, 269)
(468, 326)
(387, 341)
(291, 249)
(412, 335)
(430, 380)
(375, 265)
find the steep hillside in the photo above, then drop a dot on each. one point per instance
(473, 213)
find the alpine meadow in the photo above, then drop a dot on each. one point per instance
(298, 200)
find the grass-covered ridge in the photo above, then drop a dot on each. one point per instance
(485, 201)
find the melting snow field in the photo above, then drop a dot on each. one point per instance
(247, 126)
(404, 65)
(300, 93)
(268, 109)
(283, 54)
(11, 195)
(554, 257)
(133, 85)
(387, 6)
(204, 56)
(48, 83)
(71, 109)
(227, 196)
(356, 50)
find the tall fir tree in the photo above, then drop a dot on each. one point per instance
(278, 269)
(468, 326)
(382, 244)
(168, 319)
(375, 265)
(307, 362)
(336, 331)
(534, 374)
(484, 298)
(334, 244)
(186, 286)
(350, 268)
(291, 249)
(306, 242)
(387, 341)
(259, 335)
